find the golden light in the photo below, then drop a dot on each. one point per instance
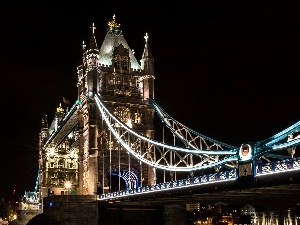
(128, 123)
(52, 152)
(68, 184)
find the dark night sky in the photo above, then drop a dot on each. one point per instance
(227, 69)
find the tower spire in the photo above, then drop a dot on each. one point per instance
(147, 64)
(83, 46)
(93, 42)
(82, 59)
(147, 53)
(44, 122)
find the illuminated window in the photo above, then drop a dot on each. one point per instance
(118, 80)
(137, 117)
(61, 164)
(122, 113)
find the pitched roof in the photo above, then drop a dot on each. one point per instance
(114, 38)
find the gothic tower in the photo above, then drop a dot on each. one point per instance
(125, 86)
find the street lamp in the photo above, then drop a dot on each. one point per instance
(68, 186)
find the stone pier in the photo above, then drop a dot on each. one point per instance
(84, 209)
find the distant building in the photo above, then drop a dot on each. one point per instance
(28, 207)
(249, 210)
(29, 201)
(193, 207)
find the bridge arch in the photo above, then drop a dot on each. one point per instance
(128, 179)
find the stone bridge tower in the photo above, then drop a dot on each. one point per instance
(125, 86)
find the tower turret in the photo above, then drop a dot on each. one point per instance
(92, 59)
(81, 68)
(88, 84)
(147, 65)
(44, 134)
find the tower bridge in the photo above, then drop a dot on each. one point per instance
(105, 145)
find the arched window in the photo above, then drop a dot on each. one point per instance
(61, 163)
(124, 65)
(117, 64)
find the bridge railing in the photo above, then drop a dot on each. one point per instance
(261, 169)
(278, 166)
(204, 179)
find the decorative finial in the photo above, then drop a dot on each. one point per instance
(83, 45)
(112, 24)
(93, 28)
(59, 109)
(146, 38)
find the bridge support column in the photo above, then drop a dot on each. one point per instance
(175, 214)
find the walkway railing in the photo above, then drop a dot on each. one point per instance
(270, 168)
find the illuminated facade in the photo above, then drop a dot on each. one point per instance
(84, 152)
(58, 163)
(29, 201)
